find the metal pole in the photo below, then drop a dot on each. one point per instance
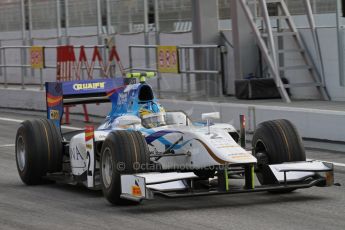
(58, 22)
(243, 131)
(267, 20)
(99, 29)
(5, 69)
(67, 23)
(23, 50)
(315, 38)
(207, 77)
(99, 19)
(108, 16)
(235, 18)
(1, 72)
(146, 34)
(158, 42)
(31, 42)
(187, 63)
(182, 66)
(340, 46)
(30, 19)
(130, 58)
(111, 37)
(251, 119)
(222, 53)
(41, 79)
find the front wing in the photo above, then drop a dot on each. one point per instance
(289, 176)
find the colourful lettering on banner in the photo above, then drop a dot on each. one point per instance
(37, 57)
(70, 68)
(65, 61)
(167, 59)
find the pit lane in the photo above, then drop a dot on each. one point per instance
(57, 206)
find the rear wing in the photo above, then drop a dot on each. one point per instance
(60, 94)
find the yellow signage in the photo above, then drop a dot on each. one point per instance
(167, 59)
(37, 57)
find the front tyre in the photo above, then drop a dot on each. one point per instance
(276, 142)
(123, 152)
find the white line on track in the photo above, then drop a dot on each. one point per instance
(334, 163)
(10, 145)
(20, 121)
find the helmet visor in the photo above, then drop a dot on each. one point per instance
(154, 120)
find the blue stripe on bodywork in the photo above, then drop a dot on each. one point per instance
(176, 147)
(159, 135)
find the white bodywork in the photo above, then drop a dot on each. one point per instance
(200, 148)
(195, 146)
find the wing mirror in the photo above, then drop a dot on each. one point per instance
(208, 117)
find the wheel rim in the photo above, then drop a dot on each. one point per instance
(107, 168)
(20, 153)
(261, 152)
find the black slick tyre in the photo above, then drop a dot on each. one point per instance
(276, 142)
(38, 150)
(123, 152)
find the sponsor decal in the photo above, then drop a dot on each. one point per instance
(53, 100)
(122, 99)
(136, 191)
(227, 146)
(76, 155)
(89, 133)
(88, 146)
(54, 114)
(89, 86)
(243, 157)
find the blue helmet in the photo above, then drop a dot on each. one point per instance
(152, 115)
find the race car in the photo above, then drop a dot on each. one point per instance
(141, 150)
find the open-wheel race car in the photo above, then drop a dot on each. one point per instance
(141, 150)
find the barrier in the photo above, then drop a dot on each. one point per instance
(4, 65)
(182, 64)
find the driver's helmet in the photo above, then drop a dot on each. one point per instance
(152, 115)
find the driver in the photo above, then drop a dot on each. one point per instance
(152, 115)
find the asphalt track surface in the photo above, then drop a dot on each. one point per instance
(58, 206)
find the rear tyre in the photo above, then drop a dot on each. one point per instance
(276, 142)
(123, 152)
(38, 150)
